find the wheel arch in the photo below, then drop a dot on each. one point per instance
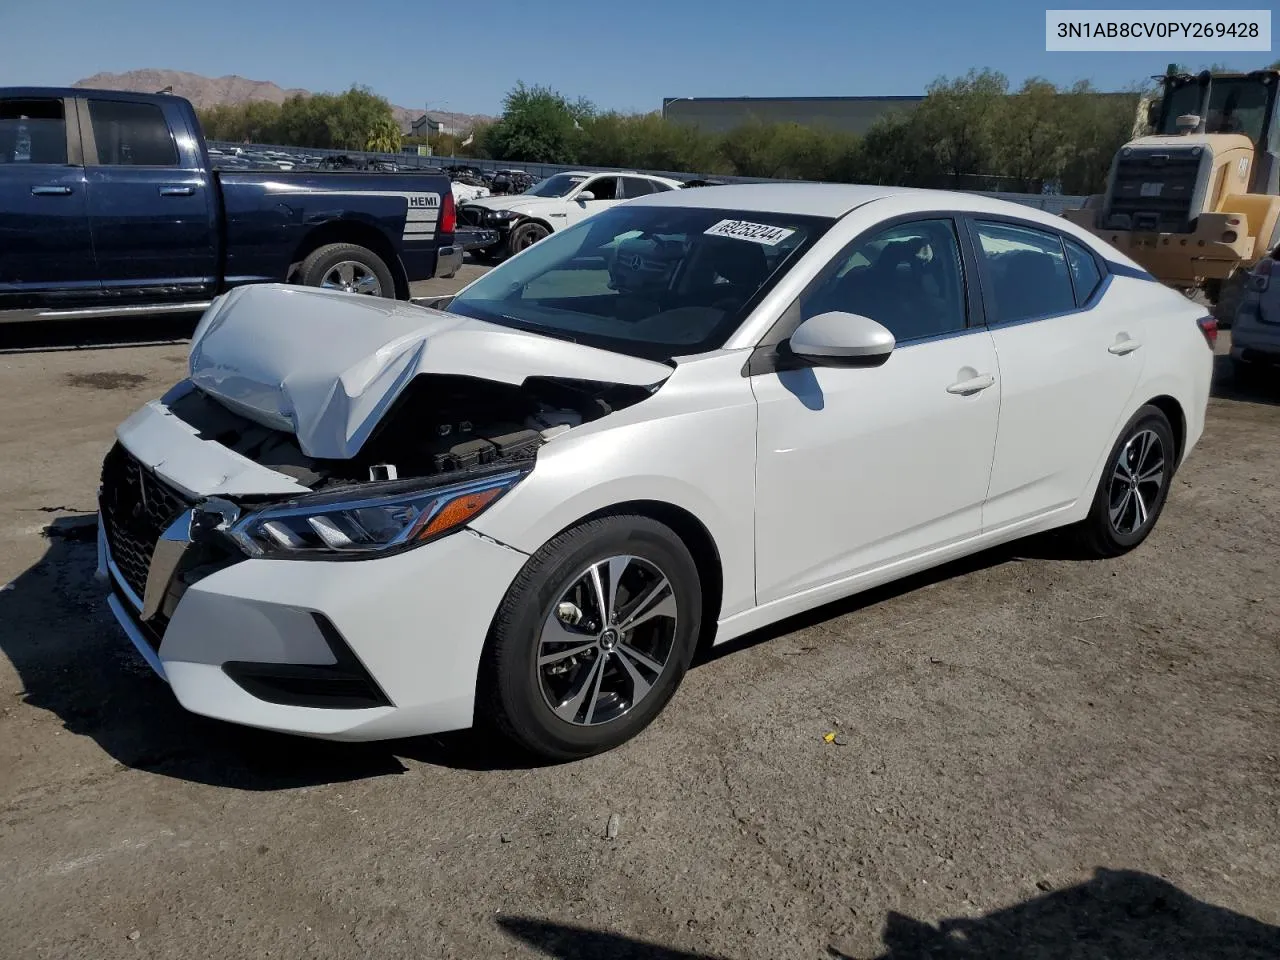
(540, 221)
(1172, 409)
(694, 534)
(346, 230)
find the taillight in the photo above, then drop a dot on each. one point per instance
(448, 215)
(1209, 327)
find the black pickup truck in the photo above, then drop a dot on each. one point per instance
(109, 205)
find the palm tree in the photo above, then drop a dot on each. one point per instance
(384, 136)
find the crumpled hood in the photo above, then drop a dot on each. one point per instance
(326, 366)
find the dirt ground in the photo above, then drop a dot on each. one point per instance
(1036, 757)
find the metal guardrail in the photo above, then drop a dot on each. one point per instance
(1048, 202)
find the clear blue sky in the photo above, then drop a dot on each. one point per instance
(626, 56)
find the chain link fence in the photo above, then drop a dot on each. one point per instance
(1048, 202)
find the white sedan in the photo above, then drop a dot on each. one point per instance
(679, 421)
(556, 203)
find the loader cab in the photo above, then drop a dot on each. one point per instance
(1232, 104)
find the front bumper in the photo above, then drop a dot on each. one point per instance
(413, 625)
(476, 238)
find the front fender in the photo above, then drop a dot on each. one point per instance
(700, 459)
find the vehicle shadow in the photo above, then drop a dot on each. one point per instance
(75, 662)
(1264, 387)
(1047, 546)
(52, 335)
(1115, 914)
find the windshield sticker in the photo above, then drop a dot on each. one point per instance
(764, 233)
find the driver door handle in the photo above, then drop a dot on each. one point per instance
(967, 388)
(1123, 347)
(50, 191)
(177, 191)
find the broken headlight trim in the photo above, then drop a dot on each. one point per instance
(330, 526)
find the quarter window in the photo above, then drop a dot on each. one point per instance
(131, 134)
(1026, 272)
(907, 277)
(1084, 272)
(32, 131)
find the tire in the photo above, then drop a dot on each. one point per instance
(518, 697)
(1246, 374)
(334, 264)
(525, 235)
(1230, 293)
(1104, 534)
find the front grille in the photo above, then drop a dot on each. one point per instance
(471, 216)
(1174, 173)
(136, 507)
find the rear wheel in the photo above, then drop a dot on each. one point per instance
(1133, 489)
(592, 639)
(349, 268)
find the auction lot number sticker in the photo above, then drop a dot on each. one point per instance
(764, 233)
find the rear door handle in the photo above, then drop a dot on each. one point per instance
(1123, 347)
(966, 388)
(177, 191)
(50, 191)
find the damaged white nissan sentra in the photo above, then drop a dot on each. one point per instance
(689, 416)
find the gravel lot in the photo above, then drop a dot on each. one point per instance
(1036, 757)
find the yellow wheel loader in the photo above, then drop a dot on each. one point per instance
(1198, 202)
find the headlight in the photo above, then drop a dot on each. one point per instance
(389, 517)
(501, 215)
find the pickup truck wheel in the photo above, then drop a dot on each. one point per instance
(347, 267)
(524, 236)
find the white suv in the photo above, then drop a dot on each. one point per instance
(558, 202)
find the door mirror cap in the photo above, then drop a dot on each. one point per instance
(838, 339)
(586, 195)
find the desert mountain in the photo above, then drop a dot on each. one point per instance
(207, 91)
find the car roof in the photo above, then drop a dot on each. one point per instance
(836, 199)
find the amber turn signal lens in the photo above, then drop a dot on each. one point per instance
(457, 511)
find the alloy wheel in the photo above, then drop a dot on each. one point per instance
(1136, 482)
(351, 276)
(607, 640)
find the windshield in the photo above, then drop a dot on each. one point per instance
(557, 186)
(650, 281)
(1236, 105)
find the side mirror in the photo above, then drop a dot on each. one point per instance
(842, 340)
(585, 195)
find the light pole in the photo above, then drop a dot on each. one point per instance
(667, 103)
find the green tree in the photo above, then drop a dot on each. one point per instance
(538, 125)
(384, 136)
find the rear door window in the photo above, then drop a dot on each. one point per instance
(131, 134)
(32, 131)
(1025, 271)
(636, 187)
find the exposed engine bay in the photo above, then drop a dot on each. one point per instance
(440, 424)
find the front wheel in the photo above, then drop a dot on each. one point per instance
(1133, 489)
(592, 638)
(525, 236)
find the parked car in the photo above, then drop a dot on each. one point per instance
(557, 202)
(1255, 333)
(124, 211)
(683, 419)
